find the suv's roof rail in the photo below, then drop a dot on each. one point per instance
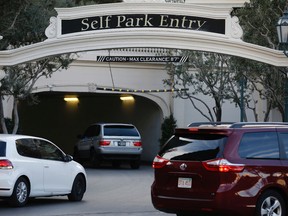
(198, 124)
(258, 124)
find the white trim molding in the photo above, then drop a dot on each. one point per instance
(229, 42)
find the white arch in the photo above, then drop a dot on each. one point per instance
(159, 38)
(230, 43)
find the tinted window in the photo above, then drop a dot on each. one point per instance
(2, 149)
(91, 131)
(115, 130)
(194, 147)
(49, 151)
(261, 145)
(284, 139)
(27, 148)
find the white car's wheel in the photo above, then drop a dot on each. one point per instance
(20, 193)
(78, 189)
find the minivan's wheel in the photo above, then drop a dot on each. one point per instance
(94, 159)
(20, 193)
(78, 189)
(270, 203)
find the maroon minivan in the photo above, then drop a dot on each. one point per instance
(237, 169)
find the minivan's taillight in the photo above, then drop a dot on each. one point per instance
(6, 164)
(159, 162)
(138, 143)
(104, 142)
(222, 165)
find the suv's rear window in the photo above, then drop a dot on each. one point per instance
(116, 130)
(2, 149)
(194, 147)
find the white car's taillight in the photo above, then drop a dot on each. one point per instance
(6, 164)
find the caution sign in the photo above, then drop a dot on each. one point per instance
(180, 59)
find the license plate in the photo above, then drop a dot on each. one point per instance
(121, 143)
(184, 182)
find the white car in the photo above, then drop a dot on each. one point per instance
(35, 167)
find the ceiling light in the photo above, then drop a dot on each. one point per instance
(71, 99)
(127, 98)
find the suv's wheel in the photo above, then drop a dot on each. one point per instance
(78, 189)
(20, 193)
(94, 158)
(270, 203)
(116, 164)
(135, 164)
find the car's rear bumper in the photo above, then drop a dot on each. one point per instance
(120, 157)
(6, 183)
(218, 206)
(120, 151)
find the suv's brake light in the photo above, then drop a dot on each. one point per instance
(138, 143)
(222, 165)
(104, 143)
(6, 164)
(159, 162)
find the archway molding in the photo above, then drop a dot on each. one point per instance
(144, 36)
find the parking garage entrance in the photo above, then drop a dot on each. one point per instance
(127, 26)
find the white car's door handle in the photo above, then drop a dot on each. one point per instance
(46, 166)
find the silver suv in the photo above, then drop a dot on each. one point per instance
(109, 141)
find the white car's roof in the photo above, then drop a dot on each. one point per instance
(16, 136)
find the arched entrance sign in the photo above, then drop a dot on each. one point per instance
(144, 25)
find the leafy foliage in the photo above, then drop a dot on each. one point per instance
(168, 127)
(23, 23)
(258, 19)
(220, 77)
(206, 74)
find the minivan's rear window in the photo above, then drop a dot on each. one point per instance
(260, 145)
(194, 147)
(2, 149)
(116, 130)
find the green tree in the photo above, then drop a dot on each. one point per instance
(20, 79)
(220, 76)
(23, 23)
(168, 127)
(258, 19)
(206, 74)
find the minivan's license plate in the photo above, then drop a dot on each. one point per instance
(184, 182)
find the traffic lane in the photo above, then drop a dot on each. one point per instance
(110, 192)
(121, 190)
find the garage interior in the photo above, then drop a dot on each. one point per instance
(61, 121)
